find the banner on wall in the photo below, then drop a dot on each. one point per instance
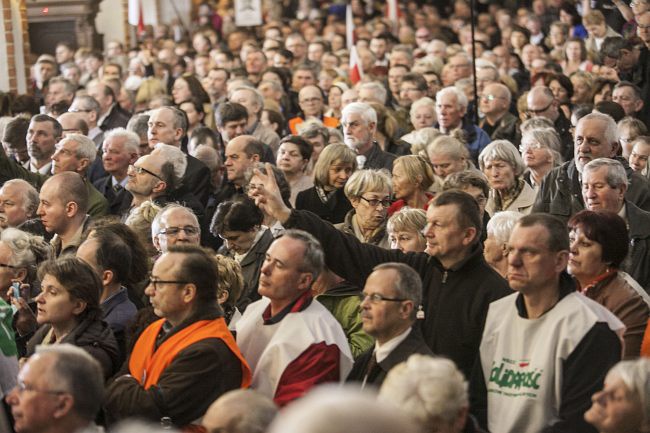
(248, 13)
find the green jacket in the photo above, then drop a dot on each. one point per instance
(343, 302)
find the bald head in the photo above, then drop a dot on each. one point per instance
(541, 103)
(242, 410)
(73, 123)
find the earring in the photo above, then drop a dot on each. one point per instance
(420, 314)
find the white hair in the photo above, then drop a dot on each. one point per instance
(155, 224)
(131, 139)
(461, 98)
(174, 156)
(635, 374)
(426, 389)
(611, 131)
(501, 225)
(377, 89)
(367, 113)
(29, 194)
(505, 151)
(86, 147)
(424, 101)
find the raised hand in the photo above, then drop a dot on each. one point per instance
(269, 199)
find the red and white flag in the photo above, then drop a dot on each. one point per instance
(349, 27)
(142, 13)
(356, 70)
(392, 13)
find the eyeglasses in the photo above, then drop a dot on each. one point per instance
(376, 298)
(4, 265)
(174, 231)
(374, 202)
(530, 111)
(491, 97)
(79, 110)
(642, 26)
(156, 283)
(310, 100)
(533, 146)
(22, 386)
(140, 170)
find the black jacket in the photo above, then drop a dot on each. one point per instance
(455, 300)
(378, 159)
(507, 128)
(115, 119)
(333, 210)
(118, 201)
(638, 262)
(560, 193)
(197, 179)
(413, 343)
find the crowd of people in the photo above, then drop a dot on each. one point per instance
(213, 229)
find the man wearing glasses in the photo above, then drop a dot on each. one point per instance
(187, 359)
(390, 302)
(542, 103)
(173, 225)
(59, 390)
(498, 122)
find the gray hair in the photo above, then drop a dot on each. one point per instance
(535, 123)
(251, 411)
(616, 175)
(67, 84)
(407, 219)
(27, 250)
(505, 151)
(447, 145)
(635, 374)
(461, 98)
(424, 101)
(86, 147)
(139, 124)
(501, 225)
(488, 65)
(367, 180)
(88, 103)
(257, 96)
(408, 284)
(76, 372)
(155, 224)
(611, 133)
(546, 137)
(427, 389)
(367, 113)
(313, 259)
(179, 117)
(29, 194)
(131, 139)
(378, 90)
(208, 155)
(175, 163)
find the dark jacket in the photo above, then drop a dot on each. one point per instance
(455, 300)
(332, 210)
(380, 237)
(638, 262)
(413, 343)
(118, 201)
(507, 128)
(196, 377)
(115, 119)
(378, 159)
(563, 127)
(197, 179)
(560, 193)
(92, 335)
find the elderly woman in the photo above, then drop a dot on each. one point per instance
(501, 163)
(540, 149)
(331, 173)
(495, 246)
(624, 403)
(412, 178)
(599, 244)
(69, 312)
(369, 193)
(423, 113)
(405, 230)
(293, 157)
(239, 223)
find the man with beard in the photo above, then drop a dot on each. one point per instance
(359, 126)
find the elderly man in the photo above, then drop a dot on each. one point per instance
(533, 373)
(111, 115)
(72, 123)
(62, 210)
(359, 126)
(391, 298)
(595, 137)
(542, 103)
(18, 203)
(88, 108)
(60, 390)
(175, 225)
(59, 90)
(459, 283)
(628, 96)
(120, 150)
(240, 411)
(451, 107)
(187, 359)
(312, 105)
(169, 125)
(604, 186)
(498, 122)
(254, 103)
(291, 342)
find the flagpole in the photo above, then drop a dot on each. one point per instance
(473, 25)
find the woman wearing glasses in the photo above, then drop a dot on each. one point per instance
(501, 163)
(68, 311)
(369, 193)
(540, 151)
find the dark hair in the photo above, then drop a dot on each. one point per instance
(195, 103)
(199, 268)
(56, 126)
(229, 112)
(16, 132)
(582, 110)
(286, 54)
(283, 73)
(558, 236)
(611, 108)
(196, 89)
(79, 280)
(280, 179)
(25, 104)
(113, 254)
(564, 81)
(277, 118)
(417, 79)
(202, 133)
(606, 228)
(571, 10)
(600, 83)
(253, 147)
(522, 30)
(467, 210)
(72, 188)
(304, 146)
(240, 214)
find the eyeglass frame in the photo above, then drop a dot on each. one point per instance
(530, 111)
(153, 282)
(177, 230)
(374, 202)
(21, 387)
(138, 170)
(376, 298)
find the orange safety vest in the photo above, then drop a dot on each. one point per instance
(330, 122)
(146, 364)
(645, 346)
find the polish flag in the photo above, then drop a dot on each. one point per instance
(349, 27)
(142, 13)
(392, 13)
(356, 70)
